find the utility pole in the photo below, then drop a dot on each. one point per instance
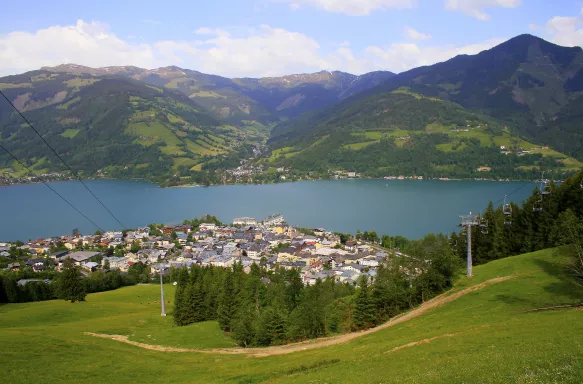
(469, 221)
(162, 293)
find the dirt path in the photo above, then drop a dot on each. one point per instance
(317, 343)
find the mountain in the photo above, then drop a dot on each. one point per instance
(244, 100)
(526, 87)
(525, 81)
(111, 125)
(405, 133)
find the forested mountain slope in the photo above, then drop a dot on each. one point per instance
(527, 90)
(529, 83)
(405, 133)
(109, 125)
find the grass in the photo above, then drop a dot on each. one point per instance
(70, 133)
(371, 135)
(211, 94)
(482, 337)
(174, 83)
(357, 146)
(154, 131)
(159, 90)
(178, 161)
(69, 103)
(79, 82)
(449, 147)
(199, 148)
(528, 167)
(15, 85)
(406, 91)
(44, 77)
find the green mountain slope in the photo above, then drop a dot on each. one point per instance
(110, 125)
(525, 81)
(482, 335)
(405, 133)
(247, 100)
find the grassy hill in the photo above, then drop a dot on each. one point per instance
(403, 132)
(478, 332)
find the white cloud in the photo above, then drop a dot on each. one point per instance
(567, 31)
(257, 52)
(265, 51)
(475, 8)
(416, 35)
(84, 43)
(403, 56)
(352, 7)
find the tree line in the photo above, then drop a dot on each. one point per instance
(524, 230)
(264, 307)
(70, 284)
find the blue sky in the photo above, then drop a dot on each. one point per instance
(272, 37)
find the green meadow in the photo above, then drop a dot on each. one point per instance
(489, 334)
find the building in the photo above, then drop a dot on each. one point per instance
(207, 227)
(244, 221)
(82, 256)
(273, 220)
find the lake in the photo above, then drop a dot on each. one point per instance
(410, 208)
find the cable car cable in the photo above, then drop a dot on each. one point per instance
(63, 161)
(51, 188)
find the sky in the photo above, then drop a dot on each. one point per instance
(258, 38)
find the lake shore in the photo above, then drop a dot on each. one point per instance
(192, 185)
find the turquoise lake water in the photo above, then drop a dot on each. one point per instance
(410, 208)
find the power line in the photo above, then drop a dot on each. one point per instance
(51, 188)
(63, 161)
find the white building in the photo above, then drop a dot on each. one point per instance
(207, 227)
(244, 221)
(273, 220)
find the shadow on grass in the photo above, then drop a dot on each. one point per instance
(566, 286)
(259, 378)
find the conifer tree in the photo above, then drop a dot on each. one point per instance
(180, 312)
(11, 289)
(243, 327)
(71, 284)
(227, 303)
(364, 311)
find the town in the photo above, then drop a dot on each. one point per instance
(269, 243)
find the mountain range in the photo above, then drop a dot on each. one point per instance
(513, 109)
(264, 100)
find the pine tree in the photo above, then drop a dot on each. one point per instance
(3, 298)
(180, 312)
(227, 303)
(71, 284)
(243, 327)
(196, 302)
(11, 289)
(364, 311)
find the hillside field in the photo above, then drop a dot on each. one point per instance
(482, 336)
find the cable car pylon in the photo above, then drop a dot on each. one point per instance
(469, 221)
